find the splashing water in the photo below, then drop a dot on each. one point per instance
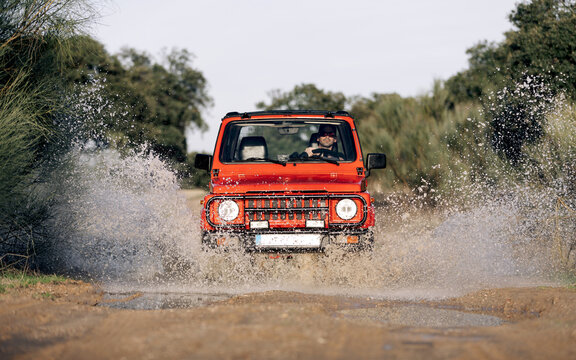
(121, 219)
(116, 213)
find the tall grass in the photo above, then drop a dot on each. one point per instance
(552, 160)
(552, 165)
(33, 47)
(21, 209)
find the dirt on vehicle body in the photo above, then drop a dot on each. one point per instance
(288, 180)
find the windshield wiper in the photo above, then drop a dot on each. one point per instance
(310, 158)
(283, 163)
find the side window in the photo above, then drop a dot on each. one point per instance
(245, 131)
(346, 142)
(229, 143)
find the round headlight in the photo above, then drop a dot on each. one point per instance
(346, 209)
(228, 210)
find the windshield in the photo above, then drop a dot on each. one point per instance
(282, 140)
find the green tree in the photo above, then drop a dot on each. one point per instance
(149, 102)
(520, 77)
(542, 44)
(406, 132)
(304, 97)
(89, 61)
(429, 140)
(484, 65)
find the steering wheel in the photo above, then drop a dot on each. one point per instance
(327, 153)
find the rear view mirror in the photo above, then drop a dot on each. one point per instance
(288, 130)
(203, 162)
(375, 161)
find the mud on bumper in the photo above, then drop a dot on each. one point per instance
(289, 241)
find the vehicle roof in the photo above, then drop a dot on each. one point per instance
(324, 113)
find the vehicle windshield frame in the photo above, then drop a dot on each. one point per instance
(282, 146)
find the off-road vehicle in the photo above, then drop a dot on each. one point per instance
(276, 186)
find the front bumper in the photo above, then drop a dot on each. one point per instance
(295, 241)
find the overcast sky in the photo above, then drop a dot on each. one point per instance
(245, 48)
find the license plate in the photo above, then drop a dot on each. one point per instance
(288, 240)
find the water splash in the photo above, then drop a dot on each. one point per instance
(120, 218)
(114, 214)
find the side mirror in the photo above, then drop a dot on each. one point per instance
(203, 162)
(375, 161)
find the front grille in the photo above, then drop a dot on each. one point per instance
(280, 210)
(284, 212)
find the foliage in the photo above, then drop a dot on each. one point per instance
(21, 209)
(32, 47)
(32, 39)
(552, 160)
(47, 65)
(304, 97)
(19, 132)
(192, 177)
(541, 45)
(417, 134)
(540, 50)
(149, 102)
(517, 115)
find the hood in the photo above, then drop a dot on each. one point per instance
(336, 179)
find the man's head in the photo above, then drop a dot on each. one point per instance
(327, 136)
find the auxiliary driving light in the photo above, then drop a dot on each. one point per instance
(346, 209)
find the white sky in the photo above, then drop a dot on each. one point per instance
(246, 48)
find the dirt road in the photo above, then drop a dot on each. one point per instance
(64, 321)
(77, 320)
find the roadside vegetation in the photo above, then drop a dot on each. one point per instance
(48, 62)
(502, 128)
(509, 118)
(515, 97)
(12, 278)
(33, 47)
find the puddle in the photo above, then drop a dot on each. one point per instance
(157, 301)
(420, 316)
(400, 314)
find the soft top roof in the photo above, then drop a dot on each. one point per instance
(326, 114)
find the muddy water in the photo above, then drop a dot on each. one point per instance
(392, 314)
(157, 301)
(123, 222)
(420, 316)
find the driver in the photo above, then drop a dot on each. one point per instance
(326, 144)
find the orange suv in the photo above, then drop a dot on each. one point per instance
(287, 181)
